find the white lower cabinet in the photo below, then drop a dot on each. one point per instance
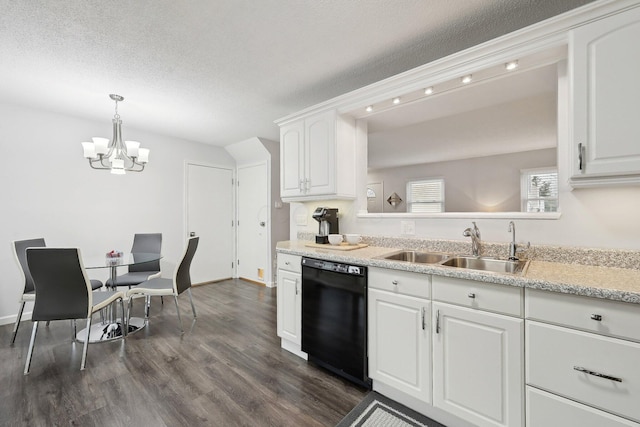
(582, 360)
(454, 349)
(546, 409)
(289, 309)
(399, 342)
(478, 372)
(592, 369)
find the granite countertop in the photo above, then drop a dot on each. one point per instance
(619, 284)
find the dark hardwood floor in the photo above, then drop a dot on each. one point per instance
(226, 370)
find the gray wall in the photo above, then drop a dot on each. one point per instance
(484, 184)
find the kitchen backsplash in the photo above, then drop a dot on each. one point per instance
(621, 258)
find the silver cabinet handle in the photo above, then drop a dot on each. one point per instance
(296, 286)
(471, 295)
(438, 322)
(394, 283)
(307, 185)
(423, 325)
(597, 374)
(596, 317)
(301, 185)
(580, 155)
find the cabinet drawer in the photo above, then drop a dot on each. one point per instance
(566, 361)
(290, 262)
(545, 409)
(483, 296)
(402, 282)
(613, 318)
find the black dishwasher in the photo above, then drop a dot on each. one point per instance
(334, 317)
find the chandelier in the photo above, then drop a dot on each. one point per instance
(115, 155)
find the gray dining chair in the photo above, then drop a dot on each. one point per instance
(147, 243)
(64, 291)
(28, 293)
(160, 286)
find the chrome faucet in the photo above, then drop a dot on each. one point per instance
(475, 238)
(512, 245)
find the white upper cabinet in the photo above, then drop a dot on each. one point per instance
(605, 67)
(317, 157)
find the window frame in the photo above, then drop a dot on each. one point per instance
(525, 177)
(409, 193)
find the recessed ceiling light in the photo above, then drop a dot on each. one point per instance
(511, 65)
(428, 91)
(396, 100)
(369, 109)
(466, 79)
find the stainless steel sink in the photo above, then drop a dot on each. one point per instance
(488, 264)
(416, 256)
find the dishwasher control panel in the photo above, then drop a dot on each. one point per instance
(355, 270)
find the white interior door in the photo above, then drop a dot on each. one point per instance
(210, 216)
(253, 222)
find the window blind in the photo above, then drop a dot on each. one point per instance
(539, 190)
(425, 196)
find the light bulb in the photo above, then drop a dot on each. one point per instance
(511, 65)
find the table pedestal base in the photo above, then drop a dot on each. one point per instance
(107, 331)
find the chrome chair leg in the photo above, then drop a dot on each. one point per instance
(17, 324)
(175, 297)
(74, 330)
(129, 308)
(86, 345)
(27, 364)
(193, 307)
(125, 319)
(147, 306)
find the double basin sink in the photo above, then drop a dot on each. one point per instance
(517, 267)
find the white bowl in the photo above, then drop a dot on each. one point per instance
(353, 239)
(335, 239)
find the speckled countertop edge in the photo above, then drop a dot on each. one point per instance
(618, 284)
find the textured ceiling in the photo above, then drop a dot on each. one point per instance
(221, 71)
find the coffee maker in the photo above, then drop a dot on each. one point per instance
(328, 223)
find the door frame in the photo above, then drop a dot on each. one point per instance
(185, 206)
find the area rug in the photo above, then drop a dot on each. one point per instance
(376, 410)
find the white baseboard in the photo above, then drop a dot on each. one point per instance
(10, 320)
(293, 348)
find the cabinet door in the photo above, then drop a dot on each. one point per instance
(320, 162)
(292, 159)
(289, 306)
(478, 365)
(399, 342)
(605, 70)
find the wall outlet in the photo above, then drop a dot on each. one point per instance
(408, 228)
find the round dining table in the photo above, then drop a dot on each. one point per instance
(111, 327)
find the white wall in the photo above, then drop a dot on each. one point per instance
(590, 217)
(50, 191)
